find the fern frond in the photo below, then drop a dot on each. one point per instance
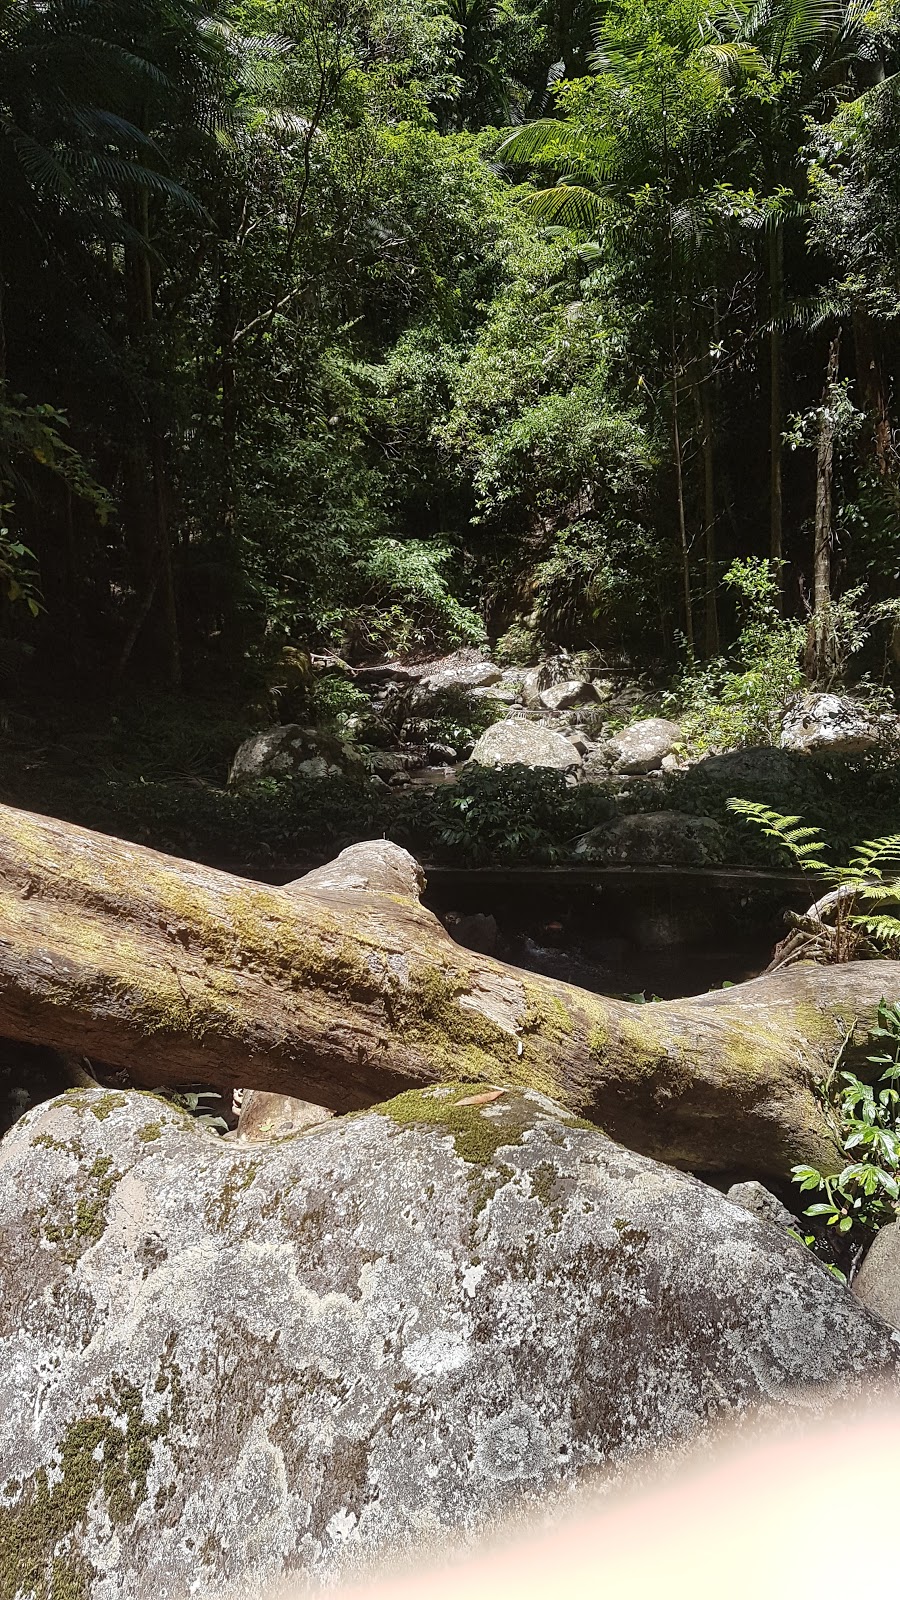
(884, 894)
(883, 930)
(804, 844)
(873, 855)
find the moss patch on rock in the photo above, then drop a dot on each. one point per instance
(477, 1131)
(108, 1454)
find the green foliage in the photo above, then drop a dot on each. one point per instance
(863, 1195)
(517, 813)
(871, 878)
(804, 845)
(741, 699)
(407, 607)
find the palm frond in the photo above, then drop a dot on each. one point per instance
(731, 60)
(550, 143)
(571, 205)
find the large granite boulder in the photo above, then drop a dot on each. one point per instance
(656, 838)
(573, 692)
(641, 747)
(285, 751)
(220, 1364)
(529, 744)
(829, 724)
(462, 673)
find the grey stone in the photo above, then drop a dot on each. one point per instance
(274, 753)
(598, 764)
(656, 838)
(755, 1197)
(246, 1363)
(641, 747)
(829, 724)
(388, 762)
(563, 696)
(503, 696)
(317, 767)
(385, 672)
(533, 682)
(530, 743)
(289, 751)
(463, 675)
(441, 755)
(877, 1283)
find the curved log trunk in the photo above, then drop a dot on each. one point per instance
(343, 990)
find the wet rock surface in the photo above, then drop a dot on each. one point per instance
(220, 1365)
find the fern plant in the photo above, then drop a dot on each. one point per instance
(860, 915)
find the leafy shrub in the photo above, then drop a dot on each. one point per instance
(406, 605)
(863, 1196)
(519, 645)
(443, 716)
(517, 813)
(741, 700)
(335, 700)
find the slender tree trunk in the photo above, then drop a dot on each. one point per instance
(2, 324)
(776, 401)
(682, 522)
(873, 392)
(821, 662)
(704, 413)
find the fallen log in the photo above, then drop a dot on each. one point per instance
(343, 990)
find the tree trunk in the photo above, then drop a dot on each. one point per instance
(682, 523)
(776, 401)
(703, 408)
(873, 392)
(821, 660)
(343, 990)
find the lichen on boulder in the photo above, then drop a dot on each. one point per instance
(377, 1334)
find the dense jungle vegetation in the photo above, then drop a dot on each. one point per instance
(388, 326)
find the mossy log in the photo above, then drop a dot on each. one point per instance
(343, 990)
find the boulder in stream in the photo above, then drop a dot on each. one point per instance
(285, 751)
(529, 744)
(877, 1283)
(656, 838)
(829, 724)
(221, 1365)
(641, 747)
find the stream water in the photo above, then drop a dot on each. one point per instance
(660, 938)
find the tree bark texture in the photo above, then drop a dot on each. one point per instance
(343, 990)
(821, 656)
(776, 402)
